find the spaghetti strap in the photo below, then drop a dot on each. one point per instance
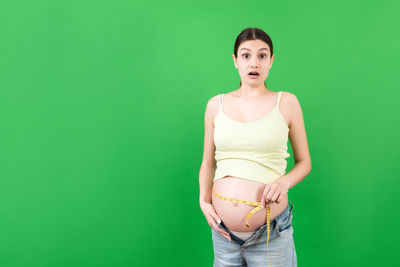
(279, 98)
(221, 102)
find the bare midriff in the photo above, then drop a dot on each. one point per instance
(234, 214)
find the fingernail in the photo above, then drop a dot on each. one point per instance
(219, 221)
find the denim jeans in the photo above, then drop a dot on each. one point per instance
(253, 252)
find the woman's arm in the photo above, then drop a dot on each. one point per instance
(208, 165)
(298, 140)
(205, 180)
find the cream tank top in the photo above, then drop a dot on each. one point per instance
(255, 150)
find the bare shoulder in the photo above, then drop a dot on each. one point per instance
(211, 111)
(289, 98)
(290, 106)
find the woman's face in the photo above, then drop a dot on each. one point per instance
(253, 55)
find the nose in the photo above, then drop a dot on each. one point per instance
(254, 64)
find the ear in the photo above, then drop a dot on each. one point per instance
(234, 60)
(272, 59)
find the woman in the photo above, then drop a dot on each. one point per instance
(243, 179)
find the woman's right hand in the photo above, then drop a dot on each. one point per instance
(212, 218)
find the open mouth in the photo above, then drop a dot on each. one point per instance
(253, 74)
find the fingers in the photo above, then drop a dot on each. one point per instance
(268, 195)
(271, 194)
(264, 196)
(274, 198)
(220, 230)
(214, 225)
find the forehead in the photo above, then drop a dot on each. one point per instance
(253, 46)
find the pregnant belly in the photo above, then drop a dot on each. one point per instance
(234, 214)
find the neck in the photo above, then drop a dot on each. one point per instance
(247, 91)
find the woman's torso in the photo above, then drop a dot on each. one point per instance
(234, 214)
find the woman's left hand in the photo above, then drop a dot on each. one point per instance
(274, 192)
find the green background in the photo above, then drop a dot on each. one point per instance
(102, 125)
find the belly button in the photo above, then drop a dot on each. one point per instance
(235, 204)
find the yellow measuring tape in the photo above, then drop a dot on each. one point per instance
(258, 207)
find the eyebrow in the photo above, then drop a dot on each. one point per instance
(264, 48)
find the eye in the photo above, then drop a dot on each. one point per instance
(246, 54)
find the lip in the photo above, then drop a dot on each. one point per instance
(253, 77)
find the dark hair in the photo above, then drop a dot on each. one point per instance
(252, 34)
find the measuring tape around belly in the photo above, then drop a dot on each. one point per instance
(258, 207)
